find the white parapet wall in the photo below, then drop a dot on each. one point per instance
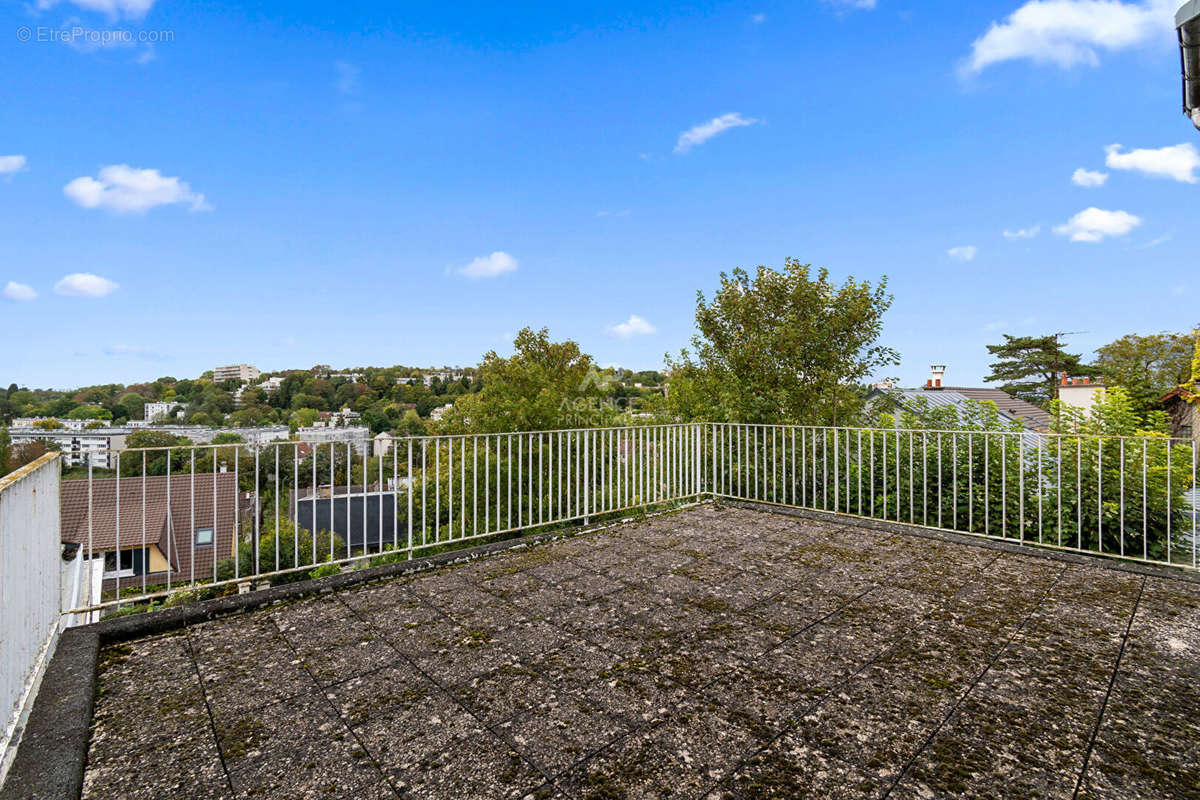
(30, 575)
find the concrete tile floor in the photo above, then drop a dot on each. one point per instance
(715, 652)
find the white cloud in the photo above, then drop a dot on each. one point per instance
(1178, 162)
(995, 326)
(758, 19)
(122, 189)
(865, 5)
(19, 291)
(1069, 32)
(1023, 233)
(85, 284)
(1088, 179)
(964, 253)
(1166, 237)
(497, 263)
(134, 350)
(622, 213)
(347, 77)
(1095, 224)
(634, 326)
(699, 134)
(12, 164)
(131, 9)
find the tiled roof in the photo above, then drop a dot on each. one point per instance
(1033, 418)
(190, 507)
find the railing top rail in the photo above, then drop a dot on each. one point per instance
(366, 441)
(979, 431)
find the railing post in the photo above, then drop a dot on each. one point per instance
(587, 480)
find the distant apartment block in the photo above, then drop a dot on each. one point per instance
(241, 372)
(358, 436)
(444, 377)
(159, 411)
(78, 448)
(62, 422)
(271, 385)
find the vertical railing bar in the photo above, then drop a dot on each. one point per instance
(1121, 497)
(117, 457)
(192, 490)
(145, 551)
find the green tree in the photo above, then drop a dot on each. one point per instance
(89, 412)
(1030, 367)
(290, 548)
(412, 424)
(1146, 366)
(540, 386)
(781, 346)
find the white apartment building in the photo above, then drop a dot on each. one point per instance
(444, 377)
(98, 445)
(158, 411)
(358, 435)
(65, 423)
(242, 372)
(271, 385)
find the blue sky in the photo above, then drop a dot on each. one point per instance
(364, 183)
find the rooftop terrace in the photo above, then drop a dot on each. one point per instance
(713, 652)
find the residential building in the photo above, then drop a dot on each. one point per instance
(935, 394)
(1080, 393)
(271, 385)
(444, 377)
(154, 527)
(158, 411)
(241, 372)
(358, 436)
(78, 447)
(64, 423)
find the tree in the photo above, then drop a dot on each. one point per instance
(781, 346)
(1146, 366)
(1030, 367)
(89, 412)
(412, 424)
(542, 384)
(5, 443)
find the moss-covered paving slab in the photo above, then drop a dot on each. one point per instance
(710, 653)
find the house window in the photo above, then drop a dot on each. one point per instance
(204, 537)
(1185, 431)
(119, 565)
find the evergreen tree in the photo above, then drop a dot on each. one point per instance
(1030, 367)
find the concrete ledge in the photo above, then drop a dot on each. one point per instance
(977, 540)
(50, 758)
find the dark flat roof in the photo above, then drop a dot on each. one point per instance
(715, 652)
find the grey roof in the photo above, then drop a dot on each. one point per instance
(1010, 408)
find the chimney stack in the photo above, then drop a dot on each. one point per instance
(938, 371)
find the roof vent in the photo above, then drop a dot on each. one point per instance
(938, 371)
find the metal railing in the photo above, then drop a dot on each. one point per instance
(204, 517)
(1124, 496)
(211, 517)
